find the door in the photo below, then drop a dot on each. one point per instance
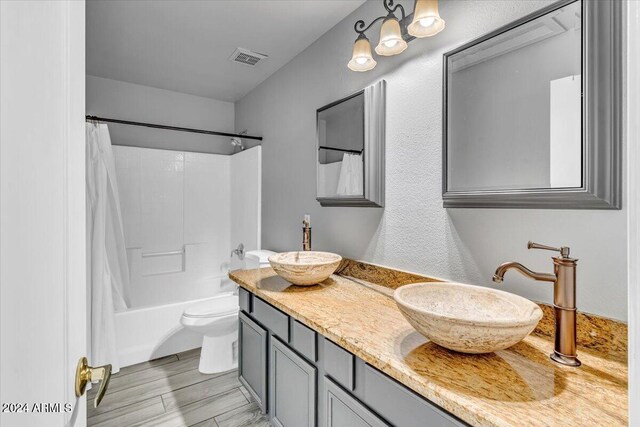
(43, 317)
(252, 359)
(292, 387)
(345, 411)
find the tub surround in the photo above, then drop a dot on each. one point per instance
(512, 387)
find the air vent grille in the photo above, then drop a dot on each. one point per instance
(247, 57)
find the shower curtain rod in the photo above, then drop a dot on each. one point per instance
(179, 129)
(344, 150)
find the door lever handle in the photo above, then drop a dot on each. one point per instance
(86, 373)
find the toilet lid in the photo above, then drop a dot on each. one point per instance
(216, 307)
(261, 255)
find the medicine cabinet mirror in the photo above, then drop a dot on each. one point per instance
(532, 112)
(350, 143)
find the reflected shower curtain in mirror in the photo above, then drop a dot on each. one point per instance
(351, 181)
(107, 267)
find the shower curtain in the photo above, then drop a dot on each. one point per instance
(107, 267)
(350, 182)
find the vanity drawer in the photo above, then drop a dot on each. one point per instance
(399, 405)
(272, 318)
(245, 298)
(339, 364)
(303, 340)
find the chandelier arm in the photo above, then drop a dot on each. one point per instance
(401, 10)
(388, 4)
(361, 23)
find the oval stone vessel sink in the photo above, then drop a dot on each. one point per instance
(466, 318)
(305, 268)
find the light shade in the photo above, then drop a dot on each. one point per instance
(391, 41)
(361, 60)
(426, 19)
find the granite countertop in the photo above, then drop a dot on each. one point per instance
(518, 386)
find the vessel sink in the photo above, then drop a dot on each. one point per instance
(466, 318)
(305, 268)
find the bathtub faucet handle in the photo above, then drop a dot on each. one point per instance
(239, 251)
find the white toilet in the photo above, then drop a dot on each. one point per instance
(257, 259)
(217, 321)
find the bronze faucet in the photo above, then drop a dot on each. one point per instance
(564, 299)
(306, 233)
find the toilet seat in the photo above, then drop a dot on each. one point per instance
(260, 256)
(222, 306)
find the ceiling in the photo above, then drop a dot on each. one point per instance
(184, 46)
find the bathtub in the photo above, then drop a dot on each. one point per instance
(148, 332)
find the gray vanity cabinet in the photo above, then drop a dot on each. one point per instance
(308, 380)
(292, 387)
(342, 410)
(252, 360)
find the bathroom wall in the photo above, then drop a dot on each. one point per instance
(413, 231)
(126, 101)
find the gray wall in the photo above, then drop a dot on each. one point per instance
(413, 231)
(127, 101)
(499, 116)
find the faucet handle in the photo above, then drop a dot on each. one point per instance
(239, 251)
(564, 250)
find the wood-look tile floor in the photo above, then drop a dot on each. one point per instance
(171, 392)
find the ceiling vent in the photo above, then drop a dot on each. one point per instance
(246, 57)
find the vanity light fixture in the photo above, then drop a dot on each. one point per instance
(362, 60)
(394, 33)
(391, 41)
(426, 19)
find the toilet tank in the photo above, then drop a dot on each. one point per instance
(257, 259)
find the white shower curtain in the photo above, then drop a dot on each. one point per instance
(351, 181)
(107, 268)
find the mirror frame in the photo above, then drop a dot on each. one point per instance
(602, 119)
(374, 149)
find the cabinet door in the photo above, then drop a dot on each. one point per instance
(292, 386)
(252, 362)
(342, 410)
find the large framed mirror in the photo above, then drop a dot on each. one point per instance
(532, 112)
(350, 136)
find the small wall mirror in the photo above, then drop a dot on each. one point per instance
(350, 143)
(521, 123)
